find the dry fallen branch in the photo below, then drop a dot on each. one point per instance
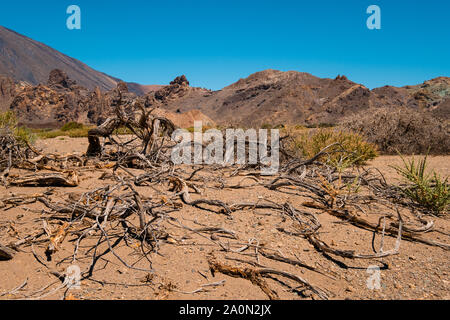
(15, 290)
(256, 277)
(394, 229)
(45, 180)
(246, 273)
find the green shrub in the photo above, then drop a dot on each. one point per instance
(9, 125)
(73, 133)
(25, 135)
(426, 189)
(349, 149)
(71, 129)
(72, 126)
(79, 133)
(74, 130)
(8, 120)
(49, 134)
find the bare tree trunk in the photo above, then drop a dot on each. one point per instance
(104, 130)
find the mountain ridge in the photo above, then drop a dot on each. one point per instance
(277, 97)
(25, 59)
(265, 97)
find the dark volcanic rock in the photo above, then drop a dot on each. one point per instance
(181, 80)
(123, 87)
(59, 79)
(177, 89)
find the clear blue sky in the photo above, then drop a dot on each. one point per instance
(218, 42)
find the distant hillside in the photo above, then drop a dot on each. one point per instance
(24, 59)
(141, 90)
(276, 97)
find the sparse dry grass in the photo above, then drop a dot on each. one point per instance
(350, 149)
(9, 124)
(73, 130)
(72, 133)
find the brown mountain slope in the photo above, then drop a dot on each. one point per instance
(142, 90)
(269, 96)
(276, 97)
(24, 59)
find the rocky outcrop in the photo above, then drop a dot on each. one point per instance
(62, 101)
(442, 110)
(274, 97)
(58, 79)
(181, 81)
(179, 88)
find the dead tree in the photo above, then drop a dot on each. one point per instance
(144, 126)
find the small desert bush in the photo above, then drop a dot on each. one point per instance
(9, 125)
(348, 148)
(72, 130)
(72, 126)
(402, 130)
(427, 189)
(321, 125)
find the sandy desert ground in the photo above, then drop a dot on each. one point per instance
(180, 263)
